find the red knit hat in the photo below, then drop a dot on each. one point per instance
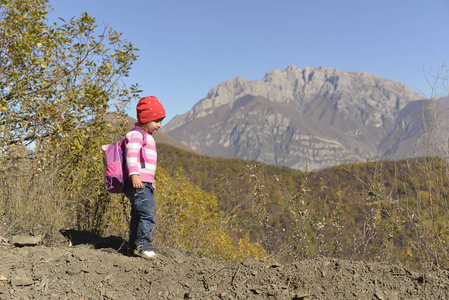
(149, 109)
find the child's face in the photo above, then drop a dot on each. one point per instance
(152, 126)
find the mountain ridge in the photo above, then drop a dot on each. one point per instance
(303, 85)
(304, 119)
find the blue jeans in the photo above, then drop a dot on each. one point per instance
(143, 214)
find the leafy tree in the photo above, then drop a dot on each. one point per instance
(57, 84)
(57, 79)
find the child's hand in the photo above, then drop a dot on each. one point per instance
(137, 183)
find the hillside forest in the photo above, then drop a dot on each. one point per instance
(60, 82)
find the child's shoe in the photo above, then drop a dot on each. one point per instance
(145, 252)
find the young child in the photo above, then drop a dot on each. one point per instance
(141, 165)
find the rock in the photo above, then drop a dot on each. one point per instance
(82, 254)
(21, 279)
(393, 296)
(379, 294)
(301, 296)
(26, 240)
(74, 268)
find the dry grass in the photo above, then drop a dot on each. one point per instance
(34, 199)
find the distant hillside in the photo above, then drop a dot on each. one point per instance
(162, 138)
(305, 119)
(383, 209)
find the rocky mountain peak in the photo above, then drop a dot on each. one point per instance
(354, 108)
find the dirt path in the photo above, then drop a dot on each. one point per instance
(82, 272)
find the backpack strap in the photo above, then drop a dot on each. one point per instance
(144, 137)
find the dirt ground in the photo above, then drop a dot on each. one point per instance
(88, 270)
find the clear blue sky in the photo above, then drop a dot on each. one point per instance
(188, 47)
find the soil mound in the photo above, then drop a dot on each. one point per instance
(83, 272)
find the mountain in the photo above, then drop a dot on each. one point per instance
(421, 129)
(304, 119)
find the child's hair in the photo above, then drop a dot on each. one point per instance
(149, 109)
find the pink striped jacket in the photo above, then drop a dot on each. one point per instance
(140, 162)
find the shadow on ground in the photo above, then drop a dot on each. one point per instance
(80, 237)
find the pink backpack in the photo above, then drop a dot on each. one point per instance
(114, 162)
